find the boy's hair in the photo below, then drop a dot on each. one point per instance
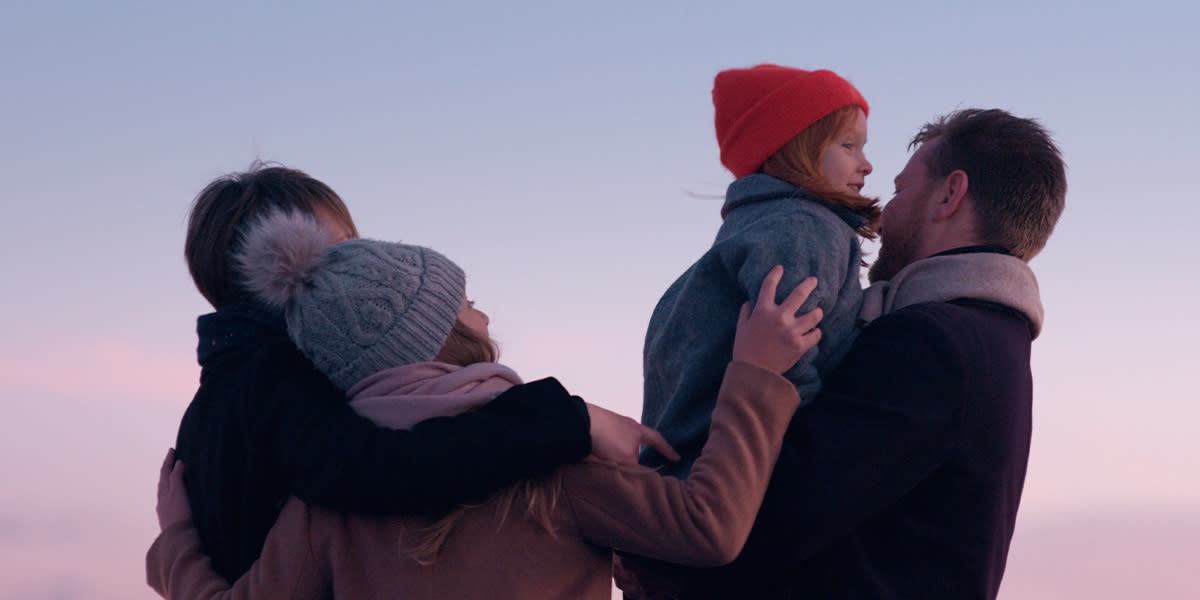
(1015, 174)
(224, 208)
(798, 162)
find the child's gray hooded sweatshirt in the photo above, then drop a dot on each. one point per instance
(689, 341)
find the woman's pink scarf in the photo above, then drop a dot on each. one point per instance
(401, 397)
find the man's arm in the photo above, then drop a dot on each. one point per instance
(886, 419)
(333, 457)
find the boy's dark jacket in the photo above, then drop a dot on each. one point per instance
(265, 424)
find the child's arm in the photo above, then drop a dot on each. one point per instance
(692, 328)
(807, 242)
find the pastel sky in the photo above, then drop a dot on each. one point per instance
(563, 154)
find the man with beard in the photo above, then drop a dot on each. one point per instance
(902, 478)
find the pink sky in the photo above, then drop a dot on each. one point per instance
(563, 154)
(83, 516)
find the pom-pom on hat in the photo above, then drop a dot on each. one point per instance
(354, 308)
(760, 108)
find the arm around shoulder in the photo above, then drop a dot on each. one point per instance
(338, 459)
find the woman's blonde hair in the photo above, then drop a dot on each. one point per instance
(798, 162)
(464, 347)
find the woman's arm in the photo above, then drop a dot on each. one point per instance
(705, 519)
(176, 566)
(889, 418)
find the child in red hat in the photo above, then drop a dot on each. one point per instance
(794, 139)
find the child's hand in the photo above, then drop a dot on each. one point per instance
(172, 498)
(771, 336)
(617, 438)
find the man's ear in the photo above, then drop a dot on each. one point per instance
(951, 195)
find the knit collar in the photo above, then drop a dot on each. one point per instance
(236, 325)
(758, 188)
(980, 274)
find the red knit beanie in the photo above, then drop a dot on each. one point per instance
(759, 109)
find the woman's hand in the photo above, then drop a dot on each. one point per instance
(771, 336)
(618, 438)
(173, 504)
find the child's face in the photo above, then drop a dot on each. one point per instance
(473, 318)
(843, 163)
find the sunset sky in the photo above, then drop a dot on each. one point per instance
(564, 155)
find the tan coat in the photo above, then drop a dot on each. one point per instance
(704, 521)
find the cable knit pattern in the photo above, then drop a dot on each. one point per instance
(357, 307)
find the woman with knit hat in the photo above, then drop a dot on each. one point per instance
(391, 325)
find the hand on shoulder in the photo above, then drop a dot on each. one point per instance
(772, 336)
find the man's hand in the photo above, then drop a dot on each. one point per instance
(618, 438)
(173, 504)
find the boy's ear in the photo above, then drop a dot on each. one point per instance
(951, 195)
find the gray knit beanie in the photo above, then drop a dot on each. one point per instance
(354, 308)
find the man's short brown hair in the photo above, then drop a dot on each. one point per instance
(223, 209)
(1015, 174)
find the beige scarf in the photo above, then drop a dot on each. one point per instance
(987, 276)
